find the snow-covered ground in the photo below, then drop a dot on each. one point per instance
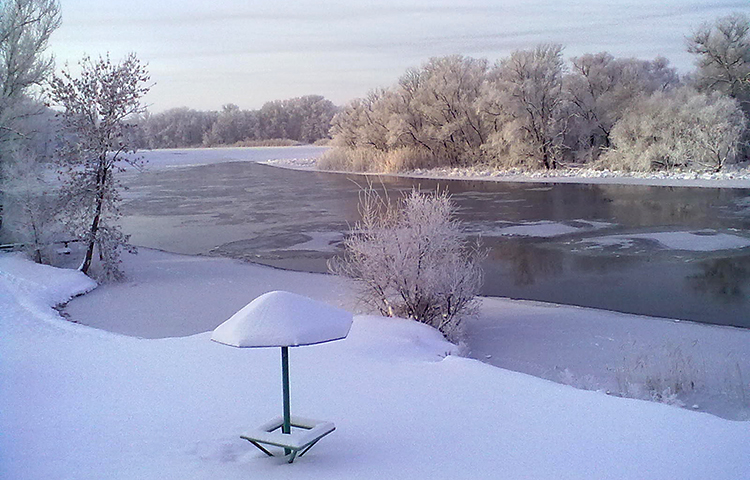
(731, 177)
(82, 403)
(187, 157)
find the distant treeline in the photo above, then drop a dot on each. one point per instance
(305, 120)
(534, 110)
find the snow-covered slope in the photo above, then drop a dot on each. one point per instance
(79, 403)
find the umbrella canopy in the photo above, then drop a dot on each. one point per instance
(283, 319)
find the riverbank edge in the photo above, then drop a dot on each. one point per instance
(738, 179)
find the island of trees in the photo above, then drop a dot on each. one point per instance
(534, 110)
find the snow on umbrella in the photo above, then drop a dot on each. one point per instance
(283, 319)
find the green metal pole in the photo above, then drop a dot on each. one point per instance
(287, 427)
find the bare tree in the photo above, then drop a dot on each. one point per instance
(31, 202)
(411, 260)
(723, 57)
(97, 108)
(176, 127)
(304, 119)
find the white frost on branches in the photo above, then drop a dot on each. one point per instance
(411, 260)
(97, 144)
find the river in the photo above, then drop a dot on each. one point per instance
(673, 252)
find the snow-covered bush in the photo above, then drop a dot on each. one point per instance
(683, 128)
(411, 259)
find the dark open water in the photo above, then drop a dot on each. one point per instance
(294, 219)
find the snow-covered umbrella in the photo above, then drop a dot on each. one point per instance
(283, 319)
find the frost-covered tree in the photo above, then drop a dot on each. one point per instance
(440, 106)
(176, 127)
(310, 118)
(411, 260)
(361, 133)
(682, 128)
(232, 125)
(722, 51)
(526, 101)
(96, 109)
(25, 28)
(363, 122)
(429, 118)
(601, 87)
(304, 119)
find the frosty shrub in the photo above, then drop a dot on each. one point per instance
(683, 128)
(411, 260)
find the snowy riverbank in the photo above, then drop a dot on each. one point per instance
(80, 402)
(731, 177)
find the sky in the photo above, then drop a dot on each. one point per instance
(203, 55)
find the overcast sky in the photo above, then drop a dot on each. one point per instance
(203, 54)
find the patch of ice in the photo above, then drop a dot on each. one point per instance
(547, 229)
(293, 163)
(610, 241)
(319, 242)
(538, 229)
(700, 241)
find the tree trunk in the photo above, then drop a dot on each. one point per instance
(100, 180)
(92, 242)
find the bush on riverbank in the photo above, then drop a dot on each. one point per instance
(682, 129)
(411, 260)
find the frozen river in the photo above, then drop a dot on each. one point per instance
(663, 251)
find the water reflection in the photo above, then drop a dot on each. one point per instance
(269, 215)
(527, 264)
(723, 279)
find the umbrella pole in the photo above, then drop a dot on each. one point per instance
(287, 426)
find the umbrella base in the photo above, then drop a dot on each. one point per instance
(304, 434)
